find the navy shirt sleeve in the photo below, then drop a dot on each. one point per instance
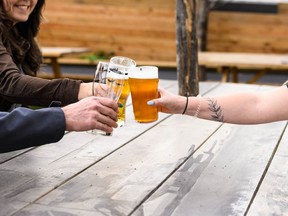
(24, 128)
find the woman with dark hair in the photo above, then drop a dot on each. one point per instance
(21, 58)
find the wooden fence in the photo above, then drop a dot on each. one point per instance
(247, 32)
(146, 30)
(143, 31)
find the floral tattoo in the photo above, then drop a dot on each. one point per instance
(216, 110)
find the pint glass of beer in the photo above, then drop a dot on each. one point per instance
(122, 100)
(143, 82)
(113, 74)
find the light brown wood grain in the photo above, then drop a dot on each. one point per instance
(142, 33)
(247, 32)
(283, 8)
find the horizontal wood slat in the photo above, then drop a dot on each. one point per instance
(128, 3)
(283, 8)
(146, 30)
(247, 32)
(143, 33)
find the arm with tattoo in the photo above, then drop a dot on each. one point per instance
(215, 109)
(237, 108)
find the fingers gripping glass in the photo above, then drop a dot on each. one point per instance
(110, 80)
(99, 77)
(113, 79)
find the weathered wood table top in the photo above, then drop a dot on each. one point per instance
(175, 166)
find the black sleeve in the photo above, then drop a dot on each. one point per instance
(24, 128)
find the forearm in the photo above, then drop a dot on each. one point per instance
(23, 89)
(29, 90)
(24, 128)
(237, 108)
(243, 108)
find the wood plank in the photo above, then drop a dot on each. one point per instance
(56, 52)
(39, 210)
(42, 168)
(80, 61)
(45, 171)
(129, 3)
(10, 155)
(244, 60)
(127, 173)
(247, 32)
(124, 179)
(144, 32)
(39, 171)
(216, 180)
(4, 157)
(271, 199)
(146, 29)
(283, 8)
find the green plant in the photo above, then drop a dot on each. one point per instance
(100, 55)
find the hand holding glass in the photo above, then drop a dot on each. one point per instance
(143, 82)
(113, 75)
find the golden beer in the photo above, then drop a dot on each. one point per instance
(123, 99)
(115, 88)
(142, 91)
(113, 74)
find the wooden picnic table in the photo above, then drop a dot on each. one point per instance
(178, 165)
(229, 63)
(52, 54)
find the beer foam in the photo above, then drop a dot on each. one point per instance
(144, 72)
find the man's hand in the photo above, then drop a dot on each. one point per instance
(91, 113)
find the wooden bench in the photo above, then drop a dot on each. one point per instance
(264, 35)
(229, 63)
(51, 56)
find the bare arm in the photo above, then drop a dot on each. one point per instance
(241, 108)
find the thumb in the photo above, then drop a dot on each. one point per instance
(151, 103)
(156, 101)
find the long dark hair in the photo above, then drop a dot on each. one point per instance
(20, 41)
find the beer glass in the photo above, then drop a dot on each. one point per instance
(122, 100)
(143, 82)
(113, 75)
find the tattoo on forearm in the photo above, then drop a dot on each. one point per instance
(216, 110)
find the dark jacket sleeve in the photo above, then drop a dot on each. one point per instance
(23, 89)
(24, 128)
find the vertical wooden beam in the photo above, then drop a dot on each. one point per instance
(203, 11)
(187, 47)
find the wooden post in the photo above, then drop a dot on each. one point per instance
(187, 47)
(203, 10)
